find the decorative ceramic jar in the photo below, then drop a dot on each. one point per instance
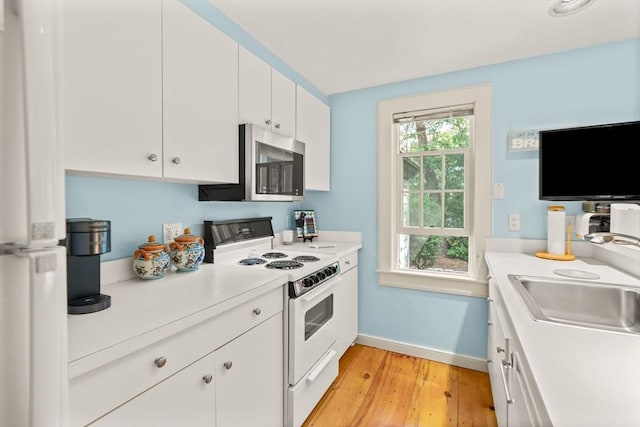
(187, 251)
(151, 260)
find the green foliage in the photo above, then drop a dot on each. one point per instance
(424, 250)
(458, 248)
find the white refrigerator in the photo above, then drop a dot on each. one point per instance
(33, 306)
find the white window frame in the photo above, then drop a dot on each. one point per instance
(478, 187)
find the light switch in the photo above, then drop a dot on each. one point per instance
(498, 190)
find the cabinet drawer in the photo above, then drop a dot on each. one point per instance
(101, 390)
(349, 261)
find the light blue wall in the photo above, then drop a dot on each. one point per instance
(588, 86)
(138, 209)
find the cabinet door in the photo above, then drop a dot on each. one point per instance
(495, 353)
(200, 98)
(313, 120)
(347, 310)
(254, 89)
(111, 88)
(184, 399)
(283, 104)
(250, 377)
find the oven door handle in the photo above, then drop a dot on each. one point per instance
(320, 366)
(322, 290)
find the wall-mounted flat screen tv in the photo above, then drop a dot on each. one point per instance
(590, 163)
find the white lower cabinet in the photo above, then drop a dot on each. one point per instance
(227, 370)
(214, 390)
(515, 397)
(347, 303)
(249, 374)
(185, 399)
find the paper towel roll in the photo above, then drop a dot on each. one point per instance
(625, 219)
(556, 218)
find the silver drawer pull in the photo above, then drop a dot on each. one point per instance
(267, 122)
(257, 311)
(277, 126)
(228, 364)
(348, 262)
(207, 378)
(499, 349)
(160, 362)
(153, 157)
(176, 160)
(490, 323)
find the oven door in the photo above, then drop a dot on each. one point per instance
(313, 328)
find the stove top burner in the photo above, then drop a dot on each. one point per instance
(284, 265)
(306, 258)
(272, 255)
(251, 261)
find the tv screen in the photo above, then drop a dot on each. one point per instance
(591, 163)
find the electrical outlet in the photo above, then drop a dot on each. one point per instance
(514, 222)
(171, 231)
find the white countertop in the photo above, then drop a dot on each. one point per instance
(586, 377)
(144, 311)
(322, 246)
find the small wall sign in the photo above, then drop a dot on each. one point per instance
(523, 140)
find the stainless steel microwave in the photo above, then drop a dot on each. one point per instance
(271, 169)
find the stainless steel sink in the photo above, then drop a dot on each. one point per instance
(593, 305)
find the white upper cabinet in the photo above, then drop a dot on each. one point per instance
(148, 88)
(313, 122)
(267, 98)
(283, 104)
(200, 98)
(111, 88)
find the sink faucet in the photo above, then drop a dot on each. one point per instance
(606, 237)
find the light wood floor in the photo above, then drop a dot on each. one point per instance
(379, 388)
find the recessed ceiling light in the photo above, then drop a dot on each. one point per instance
(569, 7)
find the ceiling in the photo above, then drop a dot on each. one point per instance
(343, 45)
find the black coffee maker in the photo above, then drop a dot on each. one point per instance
(86, 240)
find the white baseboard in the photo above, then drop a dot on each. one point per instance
(424, 352)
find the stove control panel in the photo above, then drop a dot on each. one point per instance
(313, 280)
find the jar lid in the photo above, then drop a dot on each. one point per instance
(187, 237)
(152, 245)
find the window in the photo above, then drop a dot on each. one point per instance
(434, 190)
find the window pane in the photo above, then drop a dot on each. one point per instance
(454, 167)
(434, 253)
(454, 210)
(409, 138)
(411, 209)
(432, 172)
(443, 134)
(411, 173)
(432, 210)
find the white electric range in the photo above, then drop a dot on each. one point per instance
(311, 328)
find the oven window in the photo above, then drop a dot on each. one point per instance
(317, 316)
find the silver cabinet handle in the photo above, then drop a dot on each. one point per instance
(228, 364)
(153, 157)
(257, 311)
(160, 362)
(176, 160)
(490, 323)
(207, 378)
(499, 349)
(267, 122)
(347, 262)
(503, 368)
(277, 126)
(489, 299)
